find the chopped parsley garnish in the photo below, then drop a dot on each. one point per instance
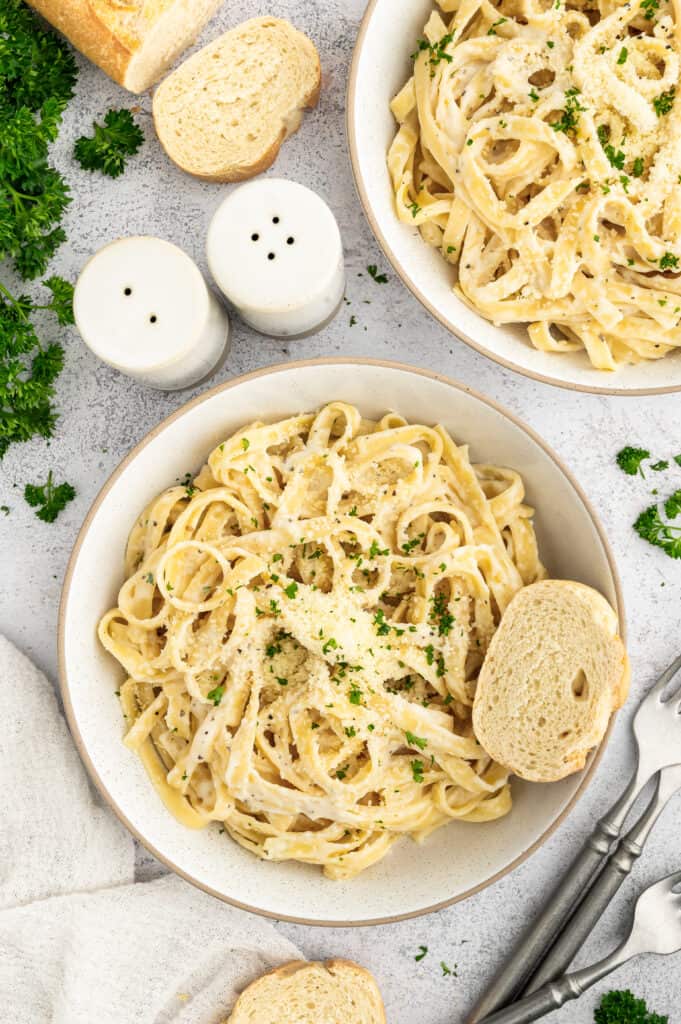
(649, 7)
(330, 645)
(282, 680)
(422, 952)
(277, 557)
(623, 55)
(664, 102)
(216, 695)
(417, 770)
(245, 443)
(439, 613)
(353, 511)
(534, 95)
(492, 30)
(637, 167)
(291, 590)
(274, 608)
(570, 115)
(411, 544)
(629, 460)
(416, 741)
(374, 550)
(378, 278)
(149, 578)
(355, 694)
(436, 50)
(669, 262)
(342, 772)
(112, 143)
(350, 731)
(49, 499)
(414, 208)
(382, 627)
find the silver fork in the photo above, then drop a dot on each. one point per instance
(656, 929)
(605, 887)
(657, 730)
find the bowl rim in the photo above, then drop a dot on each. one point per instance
(400, 270)
(268, 371)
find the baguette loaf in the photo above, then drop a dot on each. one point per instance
(224, 113)
(335, 992)
(554, 673)
(133, 41)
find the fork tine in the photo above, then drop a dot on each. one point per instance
(665, 679)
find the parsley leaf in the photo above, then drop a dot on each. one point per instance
(417, 770)
(216, 695)
(416, 741)
(378, 278)
(48, 498)
(107, 150)
(422, 952)
(669, 262)
(629, 460)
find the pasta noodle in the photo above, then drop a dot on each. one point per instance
(302, 626)
(539, 148)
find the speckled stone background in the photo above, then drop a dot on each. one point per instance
(103, 414)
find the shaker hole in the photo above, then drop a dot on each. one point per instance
(290, 240)
(275, 220)
(270, 255)
(153, 318)
(127, 291)
(255, 236)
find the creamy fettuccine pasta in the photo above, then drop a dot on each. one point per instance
(539, 149)
(302, 626)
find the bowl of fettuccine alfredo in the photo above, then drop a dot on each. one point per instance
(272, 627)
(520, 164)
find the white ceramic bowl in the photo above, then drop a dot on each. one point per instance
(458, 859)
(380, 66)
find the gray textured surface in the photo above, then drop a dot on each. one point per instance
(104, 414)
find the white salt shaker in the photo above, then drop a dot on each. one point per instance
(275, 252)
(142, 305)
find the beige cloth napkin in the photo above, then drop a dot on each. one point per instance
(80, 941)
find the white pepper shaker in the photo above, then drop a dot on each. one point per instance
(275, 251)
(142, 305)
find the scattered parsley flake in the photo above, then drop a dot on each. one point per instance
(216, 695)
(422, 952)
(110, 146)
(378, 278)
(417, 770)
(416, 741)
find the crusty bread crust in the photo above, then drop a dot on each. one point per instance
(101, 32)
(288, 970)
(243, 171)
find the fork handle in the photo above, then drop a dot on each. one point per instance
(580, 926)
(534, 944)
(559, 992)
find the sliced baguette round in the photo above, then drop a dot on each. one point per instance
(555, 671)
(133, 41)
(224, 113)
(335, 992)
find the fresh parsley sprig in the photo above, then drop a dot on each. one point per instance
(622, 1007)
(650, 526)
(49, 498)
(29, 367)
(111, 145)
(37, 78)
(629, 459)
